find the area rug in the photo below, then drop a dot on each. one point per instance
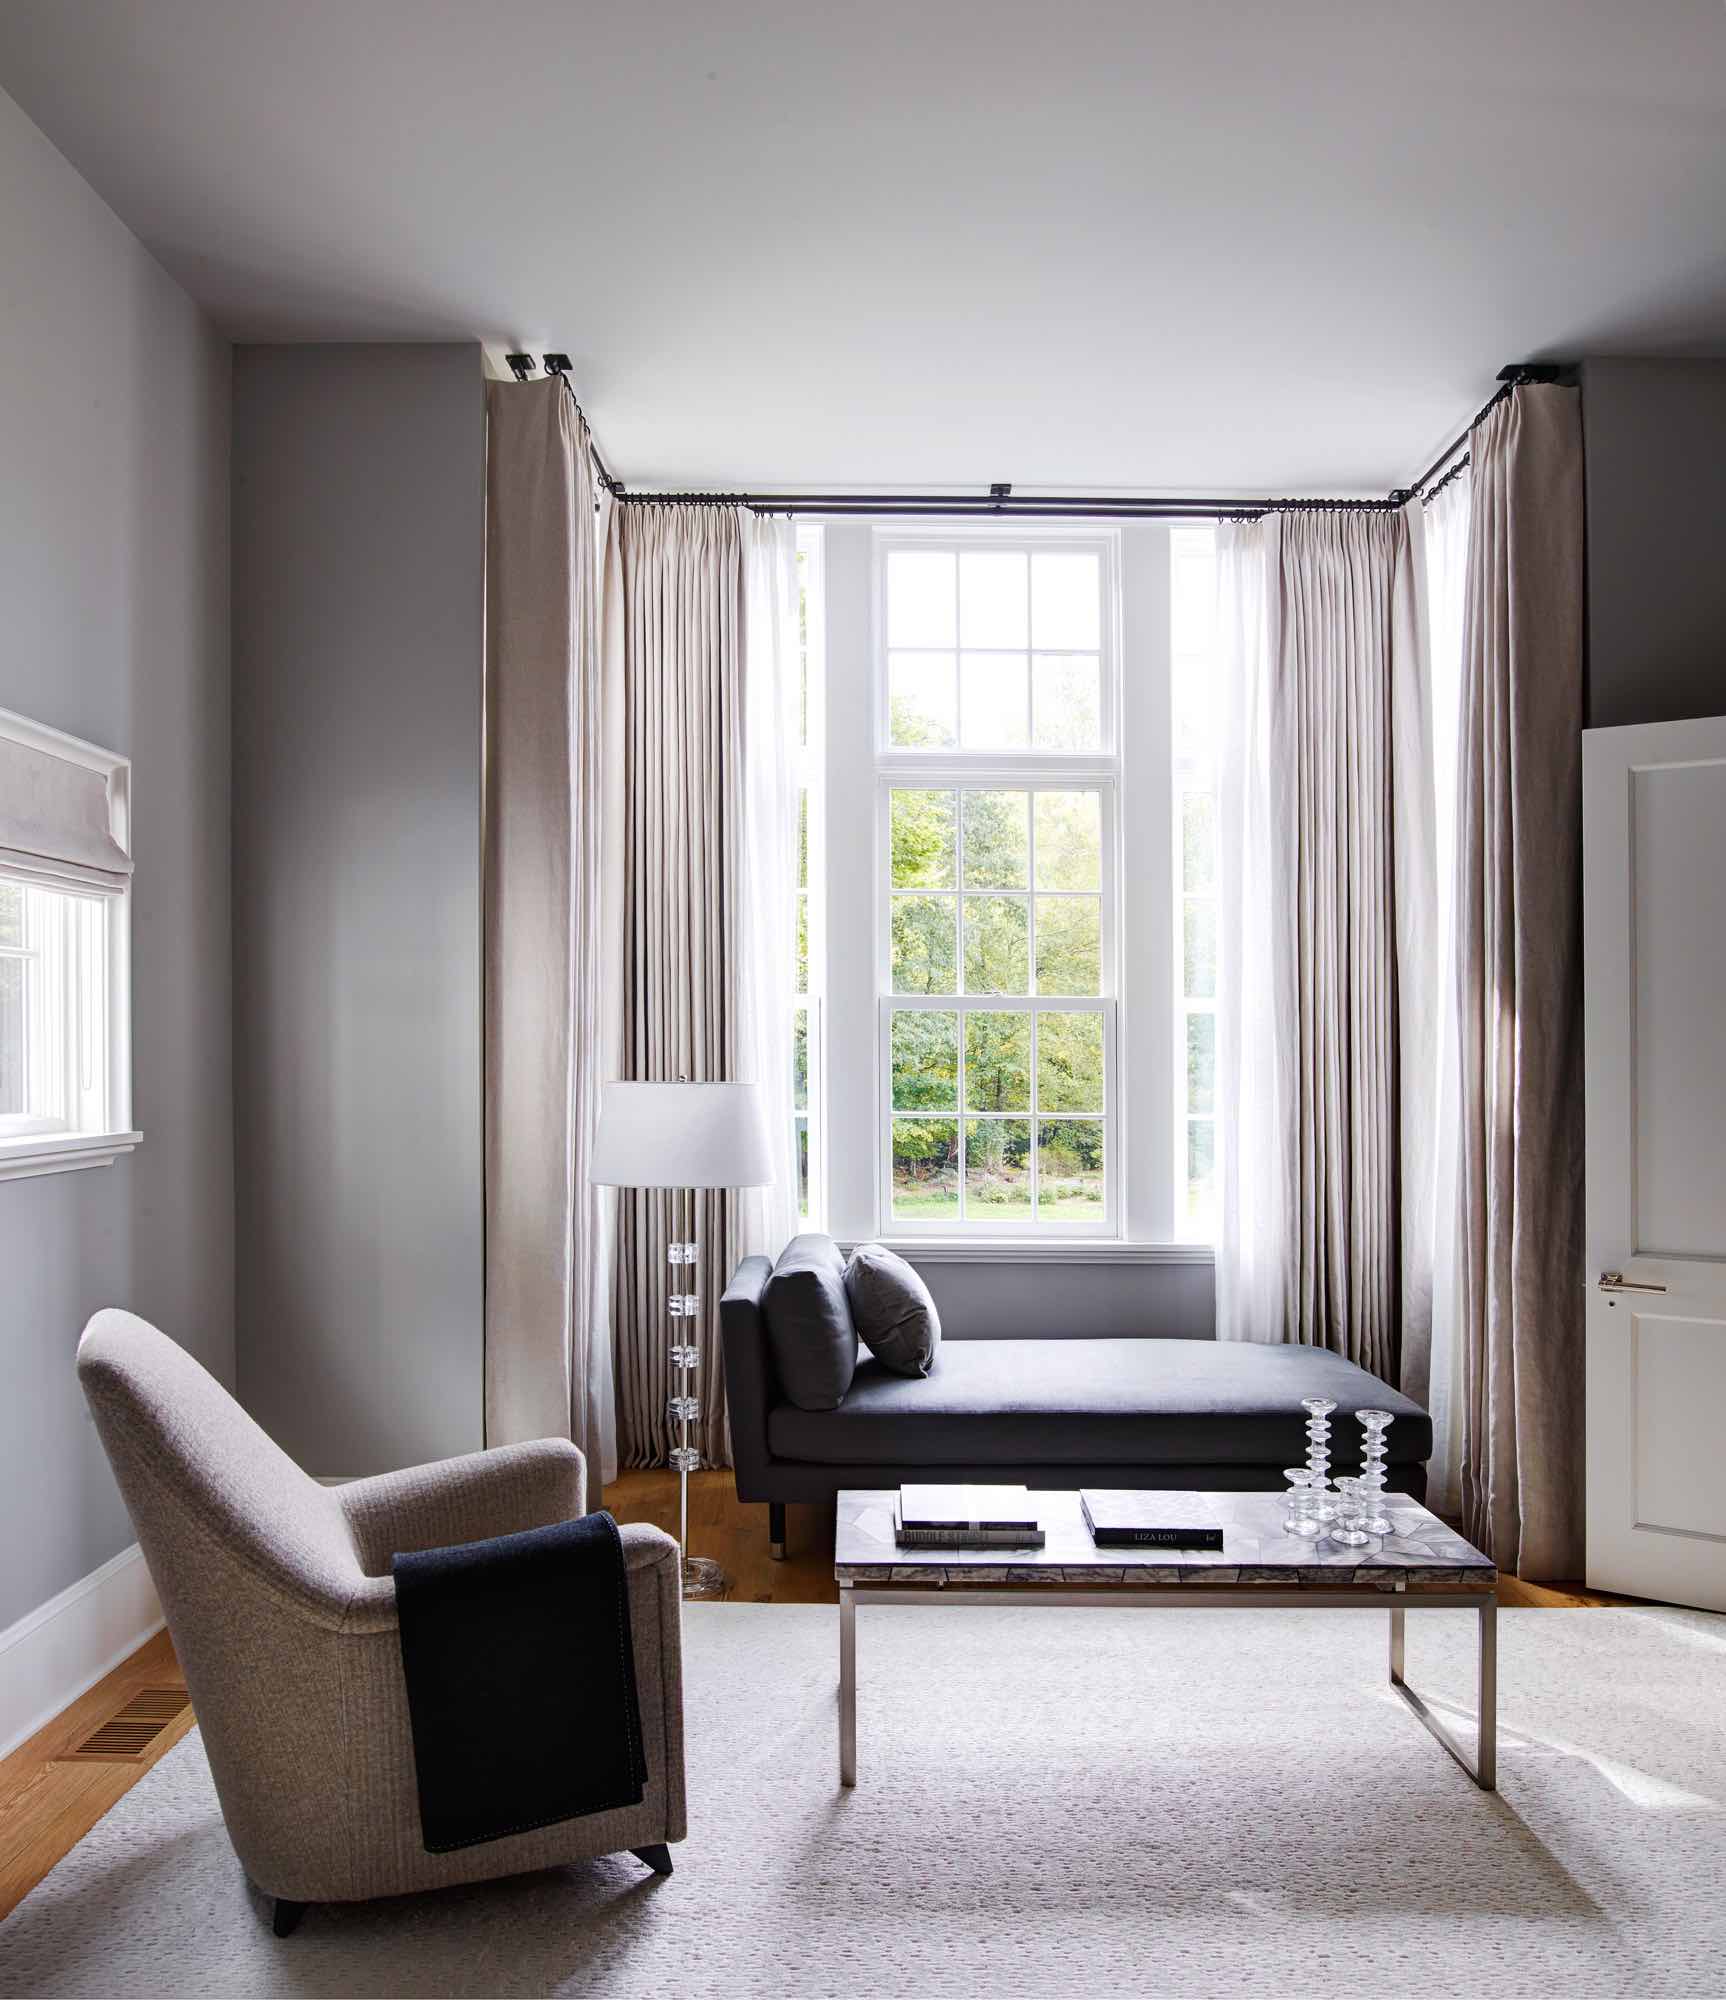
(1051, 1801)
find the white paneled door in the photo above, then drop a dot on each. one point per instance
(1654, 892)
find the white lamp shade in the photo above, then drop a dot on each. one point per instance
(682, 1135)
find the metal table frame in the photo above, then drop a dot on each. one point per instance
(1483, 1768)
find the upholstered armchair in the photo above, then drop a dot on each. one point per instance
(279, 1597)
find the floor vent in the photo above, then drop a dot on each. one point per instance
(125, 1737)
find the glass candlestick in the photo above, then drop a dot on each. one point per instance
(1318, 1409)
(1375, 1423)
(1300, 1503)
(1349, 1527)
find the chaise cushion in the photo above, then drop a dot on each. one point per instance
(808, 1320)
(1099, 1402)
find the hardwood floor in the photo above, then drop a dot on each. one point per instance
(721, 1526)
(46, 1807)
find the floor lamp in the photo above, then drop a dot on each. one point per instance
(683, 1136)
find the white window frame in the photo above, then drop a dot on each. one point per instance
(92, 1054)
(1136, 642)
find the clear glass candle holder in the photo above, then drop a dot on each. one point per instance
(1349, 1526)
(1374, 1423)
(1300, 1504)
(1318, 1409)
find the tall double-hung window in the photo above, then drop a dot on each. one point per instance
(996, 835)
(1009, 1007)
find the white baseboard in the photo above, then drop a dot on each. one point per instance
(64, 1646)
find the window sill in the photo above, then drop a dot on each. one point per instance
(62, 1152)
(1045, 1250)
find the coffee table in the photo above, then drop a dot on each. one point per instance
(1423, 1565)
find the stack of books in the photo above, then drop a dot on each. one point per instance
(966, 1517)
(1127, 1520)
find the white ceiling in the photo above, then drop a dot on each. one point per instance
(1162, 245)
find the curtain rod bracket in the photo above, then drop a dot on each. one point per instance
(520, 365)
(557, 364)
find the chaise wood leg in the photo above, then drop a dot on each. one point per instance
(776, 1530)
(287, 1917)
(657, 1857)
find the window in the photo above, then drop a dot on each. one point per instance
(807, 1067)
(1193, 589)
(64, 906)
(53, 1011)
(1010, 1041)
(995, 845)
(992, 648)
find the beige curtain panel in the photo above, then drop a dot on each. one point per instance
(550, 1018)
(1519, 988)
(1327, 1015)
(676, 594)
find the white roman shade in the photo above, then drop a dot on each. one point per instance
(64, 808)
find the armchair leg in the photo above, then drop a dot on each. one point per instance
(776, 1530)
(658, 1857)
(287, 1917)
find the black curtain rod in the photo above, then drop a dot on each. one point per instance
(999, 501)
(1513, 377)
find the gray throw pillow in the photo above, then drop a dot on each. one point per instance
(809, 1325)
(893, 1312)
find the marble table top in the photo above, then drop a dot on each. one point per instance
(1422, 1553)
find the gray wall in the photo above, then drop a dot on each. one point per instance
(1011, 1301)
(1656, 455)
(358, 647)
(113, 593)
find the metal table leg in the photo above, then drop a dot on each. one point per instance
(847, 1688)
(1483, 1766)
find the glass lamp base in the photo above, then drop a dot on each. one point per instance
(702, 1577)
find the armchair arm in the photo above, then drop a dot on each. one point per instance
(372, 1607)
(468, 1499)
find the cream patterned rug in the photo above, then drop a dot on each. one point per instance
(1052, 1801)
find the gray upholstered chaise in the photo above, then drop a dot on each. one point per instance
(1057, 1413)
(279, 1597)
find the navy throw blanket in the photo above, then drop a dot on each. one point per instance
(521, 1681)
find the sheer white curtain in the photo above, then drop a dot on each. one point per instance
(1446, 539)
(767, 1217)
(1255, 1163)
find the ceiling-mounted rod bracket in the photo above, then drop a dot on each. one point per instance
(1520, 372)
(557, 364)
(521, 366)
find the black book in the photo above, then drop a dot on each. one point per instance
(1128, 1520)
